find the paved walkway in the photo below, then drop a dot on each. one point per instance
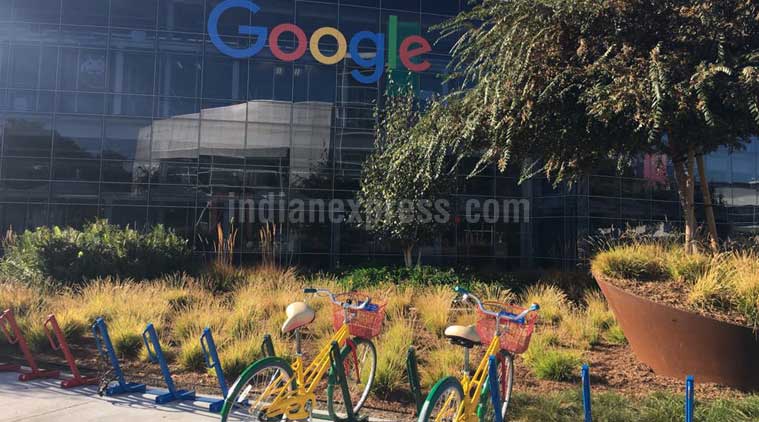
(44, 400)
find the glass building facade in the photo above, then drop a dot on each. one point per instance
(126, 110)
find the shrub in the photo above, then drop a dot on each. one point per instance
(98, 250)
(552, 300)
(686, 267)
(639, 261)
(615, 335)
(556, 365)
(392, 348)
(191, 356)
(433, 307)
(363, 277)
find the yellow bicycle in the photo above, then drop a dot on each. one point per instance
(507, 330)
(272, 389)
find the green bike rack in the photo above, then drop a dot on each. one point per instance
(267, 347)
(338, 377)
(412, 368)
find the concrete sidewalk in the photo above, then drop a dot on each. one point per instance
(44, 400)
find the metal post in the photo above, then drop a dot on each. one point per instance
(494, 385)
(13, 334)
(412, 368)
(338, 376)
(106, 350)
(212, 362)
(586, 404)
(689, 398)
(155, 354)
(267, 347)
(78, 380)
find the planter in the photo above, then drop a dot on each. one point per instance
(676, 343)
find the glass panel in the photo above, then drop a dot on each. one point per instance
(224, 110)
(132, 216)
(83, 36)
(177, 107)
(42, 11)
(224, 77)
(744, 167)
(79, 102)
(270, 81)
(357, 19)
(173, 139)
(28, 136)
(131, 39)
(32, 101)
(123, 194)
(5, 10)
(130, 105)
(26, 168)
(124, 136)
(82, 69)
(134, 13)
(26, 190)
(24, 216)
(312, 16)
(222, 139)
(25, 61)
(181, 15)
(4, 64)
(314, 83)
(412, 5)
(77, 137)
(72, 215)
(441, 7)
(231, 20)
(77, 170)
(132, 72)
(124, 171)
(85, 12)
(180, 66)
(267, 140)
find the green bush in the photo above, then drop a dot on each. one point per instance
(98, 250)
(556, 365)
(419, 275)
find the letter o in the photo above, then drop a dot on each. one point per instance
(342, 45)
(300, 48)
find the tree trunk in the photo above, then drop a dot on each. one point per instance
(419, 257)
(685, 190)
(408, 257)
(711, 223)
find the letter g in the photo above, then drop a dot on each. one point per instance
(259, 31)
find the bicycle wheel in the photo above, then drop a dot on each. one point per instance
(443, 401)
(360, 360)
(256, 388)
(505, 383)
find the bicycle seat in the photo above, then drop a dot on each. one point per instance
(299, 314)
(463, 336)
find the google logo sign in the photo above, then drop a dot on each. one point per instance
(412, 47)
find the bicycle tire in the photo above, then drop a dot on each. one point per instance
(249, 374)
(441, 391)
(335, 407)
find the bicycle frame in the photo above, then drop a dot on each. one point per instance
(293, 402)
(467, 410)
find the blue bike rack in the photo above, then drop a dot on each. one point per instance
(689, 398)
(213, 362)
(106, 350)
(586, 393)
(495, 394)
(155, 354)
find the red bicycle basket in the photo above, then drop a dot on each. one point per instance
(515, 336)
(366, 323)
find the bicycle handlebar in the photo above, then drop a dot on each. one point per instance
(465, 294)
(333, 298)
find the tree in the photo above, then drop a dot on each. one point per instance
(572, 83)
(395, 203)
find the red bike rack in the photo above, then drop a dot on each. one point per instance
(14, 336)
(52, 328)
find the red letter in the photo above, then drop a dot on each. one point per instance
(407, 54)
(300, 48)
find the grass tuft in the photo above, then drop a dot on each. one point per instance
(553, 302)
(392, 349)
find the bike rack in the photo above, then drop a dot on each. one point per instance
(212, 362)
(412, 369)
(495, 394)
(78, 380)
(338, 376)
(586, 404)
(267, 347)
(155, 354)
(106, 350)
(689, 398)
(13, 334)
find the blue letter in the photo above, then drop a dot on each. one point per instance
(259, 31)
(378, 61)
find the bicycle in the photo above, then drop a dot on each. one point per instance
(272, 389)
(507, 330)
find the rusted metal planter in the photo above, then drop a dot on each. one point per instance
(677, 343)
